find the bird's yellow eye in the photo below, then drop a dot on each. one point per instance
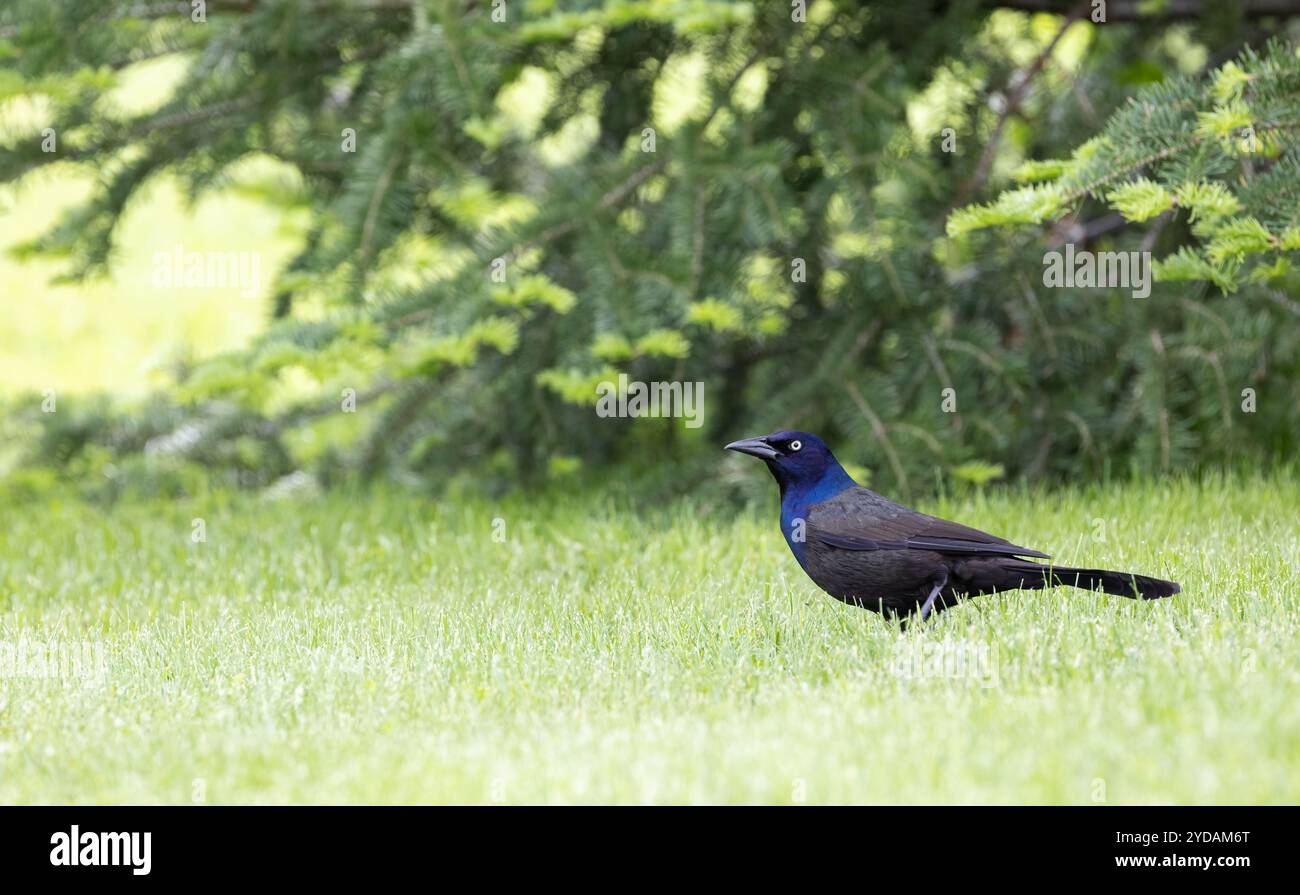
(796, 445)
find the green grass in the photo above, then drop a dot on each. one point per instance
(386, 648)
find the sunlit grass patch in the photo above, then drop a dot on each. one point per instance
(389, 648)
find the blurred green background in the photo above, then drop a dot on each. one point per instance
(467, 216)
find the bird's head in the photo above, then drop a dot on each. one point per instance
(797, 459)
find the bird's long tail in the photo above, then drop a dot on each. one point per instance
(1122, 584)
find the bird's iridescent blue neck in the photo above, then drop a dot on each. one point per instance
(798, 496)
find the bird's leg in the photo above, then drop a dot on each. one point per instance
(928, 606)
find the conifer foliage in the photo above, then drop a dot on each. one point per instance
(1220, 149)
(511, 202)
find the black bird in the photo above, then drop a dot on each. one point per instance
(865, 549)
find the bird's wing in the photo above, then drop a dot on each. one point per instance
(859, 519)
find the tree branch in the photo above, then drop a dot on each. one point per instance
(1171, 10)
(1015, 98)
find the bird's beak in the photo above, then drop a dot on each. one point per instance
(756, 446)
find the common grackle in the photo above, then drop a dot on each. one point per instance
(865, 549)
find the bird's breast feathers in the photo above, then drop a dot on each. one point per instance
(797, 506)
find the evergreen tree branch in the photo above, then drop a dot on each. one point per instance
(1011, 106)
